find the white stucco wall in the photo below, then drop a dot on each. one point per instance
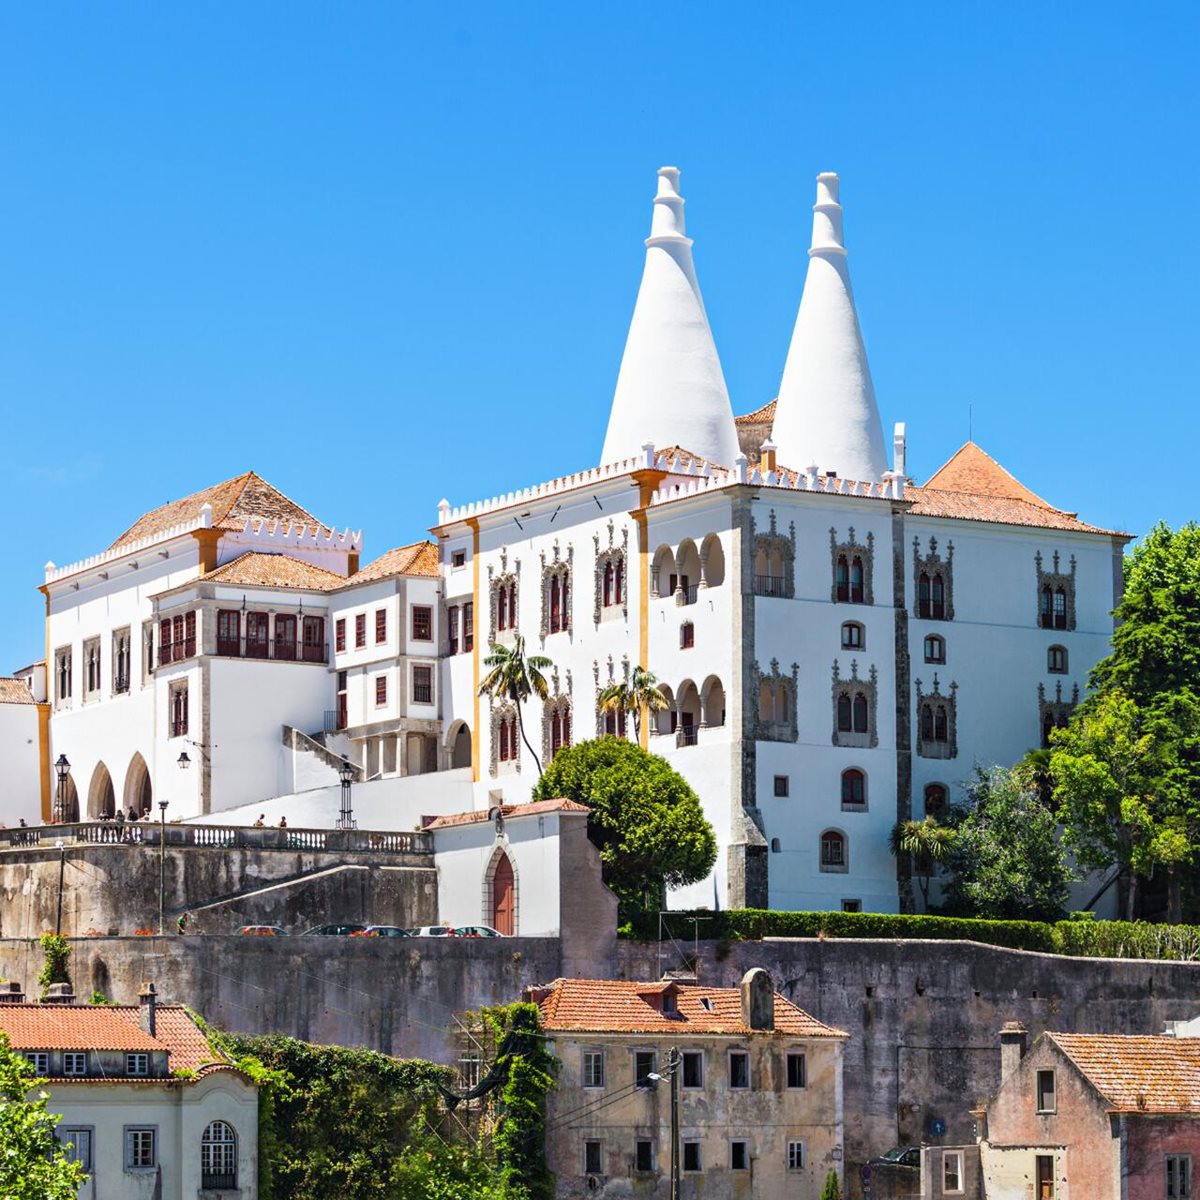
(20, 764)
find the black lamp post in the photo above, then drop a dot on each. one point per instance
(63, 768)
(162, 861)
(346, 775)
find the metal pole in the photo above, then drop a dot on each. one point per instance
(674, 1060)
(162, 863)
(62, 866)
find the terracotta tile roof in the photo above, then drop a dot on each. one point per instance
(232, 503)
(506, 811)
(420, 558)
(974, 506)
(256, 569)
(1137, 1074)
(624, 1006)
(15, 691)
(766, 414)
(110, 1027)
(973, 470)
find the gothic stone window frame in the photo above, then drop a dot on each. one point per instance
(498, 580)
(770, 730)
(556, 574)
(618, 558)
(769, 544)
(850, 550)
(557, 704)
(1054, 713)
(929, 744)
(1054, 582)
(850, 690)
(931, 565)
(504, 710)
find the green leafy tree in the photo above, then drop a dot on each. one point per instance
(832, 1189)
(515, 675)
(1125, 789)
(1007, 860)
(34, 1165)
(646, 821)
(927, 844)
(637, 695)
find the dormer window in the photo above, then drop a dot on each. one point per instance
(75, 1063)
(137, 1064)
(670, 1005)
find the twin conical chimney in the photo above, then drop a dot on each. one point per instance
(670, 389)
(826, 414)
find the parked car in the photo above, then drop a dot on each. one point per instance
(264, 930)
(335, 930)
(432, 931)
(476, 931)
(899, 1156)
(383, 931)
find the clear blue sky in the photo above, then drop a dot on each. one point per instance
(385, 253)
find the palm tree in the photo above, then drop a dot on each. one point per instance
(515, 676)
(637, 694)
(926, 843)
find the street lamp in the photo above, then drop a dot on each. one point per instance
(64, 769)
(162, 860)
(183, 761)
(346, 775)
(62, 866)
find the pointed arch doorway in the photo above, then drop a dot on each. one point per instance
(504, 897)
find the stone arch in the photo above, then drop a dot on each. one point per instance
(69, 803)
(712, 702)
(712, 561)
(502, 870)
(458, 744)
(139, 791)
(102, 800)
(661, 572)
(664, 719)
(687, 567)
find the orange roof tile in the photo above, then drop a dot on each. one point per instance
(974, 506)
(419, 558)
(233, 502)
(15, 691)
(1137, 1074)
(759, 415)
(506, 811)
(973, 470)
(621, 1006)
(258, 569)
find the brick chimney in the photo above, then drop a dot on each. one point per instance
(758, 999)
(1014, 1040)
(148, 1003)
(59, 993)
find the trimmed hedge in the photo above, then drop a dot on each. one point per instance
(1085, 939)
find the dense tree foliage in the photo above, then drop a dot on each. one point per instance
(927, 844)
(646, 821)
(34, 1165)
(1126, 773)
(1007, 861)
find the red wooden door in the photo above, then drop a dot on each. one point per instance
(503, 906)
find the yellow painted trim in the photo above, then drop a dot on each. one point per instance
(44, 758)
(648, 482)
(209, 540)
(473, 525)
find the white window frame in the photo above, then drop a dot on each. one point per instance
(135, 1061)
(75, 1062)
(589, 1061)
(795, 1151)
(957, 1158)
(39, 1060)
(132, 1137)
(1041, 1107)
(81, 1139)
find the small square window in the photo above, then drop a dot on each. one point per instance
(78, 1142)
(593, 1068)
(739, 1069)
(687, 636)
(1046, 1100)
(852, 636)
(422, 685)
(380, 625)
(592, 1160)
(380, 690)
(39, 1061)
(643, 1068)
(739, 1155)
(75, 1063)
(692, 1158)
(458, 558)
(137, 1064)
(1179, 1177)
(422, 623)
(360, 630)
(795, 1151)
(952, 1172)
(643, 1155)
(781, 786)
(797, 1073)
(140, 1149)
(693, 1068)
(851, 906)
(670, 1005)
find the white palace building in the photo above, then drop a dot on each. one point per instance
(839, 648)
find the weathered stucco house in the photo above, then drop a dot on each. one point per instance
(759, 1083)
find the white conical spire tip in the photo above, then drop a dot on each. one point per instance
(666, 222)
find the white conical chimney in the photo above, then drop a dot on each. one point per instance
(670, 389)
(826, 412)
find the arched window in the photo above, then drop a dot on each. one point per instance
(927, 722)
(853, 636)
(860, 713)
(923, 595)
(935, 649)
(1060, 608)
(1046, 608)
(775, 846)
(941, 727)
(938, 605)
(1056, 660)
(218, 1157)
(856, 580)
(854, 789)
(560, 729)
(833, 851)
(844, 719)
(610, 579)
(502, 609)
(935, 799)
(842, 578)
(781, 703)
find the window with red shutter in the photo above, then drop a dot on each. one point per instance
(189, 635)
(422, 623)
(229, 632)
(314, 639)
(452, 628)
(339, 634)
(380, 689)
(164, 641)
(285, 637)
(380, 625)
(258, 635)
(422, 692)
(468, 637)
(360, 631)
